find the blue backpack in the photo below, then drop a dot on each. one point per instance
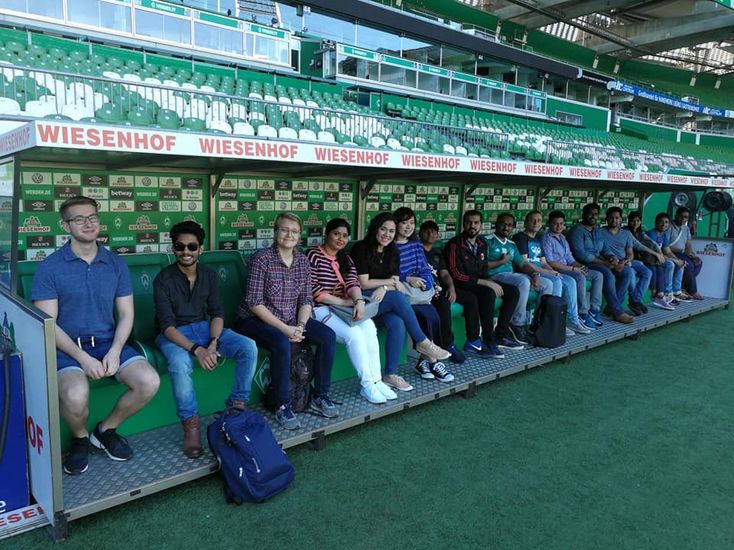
(253, 466)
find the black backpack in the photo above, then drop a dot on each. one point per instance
(302, 359)
(549, 324)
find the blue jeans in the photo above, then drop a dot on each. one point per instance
(181, 364)
(429, 321)
(585, 304)
(638, 288)
(396, 315)
(277, 343)
(673, 277)
(565, 286)
(690, 272)
(614, 286)
(522, 282)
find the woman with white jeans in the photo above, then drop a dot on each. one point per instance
(335, 282)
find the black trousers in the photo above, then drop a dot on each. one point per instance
(478, 302)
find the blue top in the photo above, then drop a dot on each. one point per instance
(86, 292)
(619, 242)
(586, 245)
(413, 262)
(531, 247)
(661, 239)
(556, 249)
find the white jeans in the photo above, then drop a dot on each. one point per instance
(361, 342)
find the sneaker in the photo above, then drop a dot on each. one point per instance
(456, 354)
(635, 308)
(111, 443)
(440, 373)
(508, 342)
(642, 307)
(396, 381)
(323, 406)
(491, 351)
(287, 418)
(683, 297)
(372, 394)
(662, 303)
(431, 350)
(595, 318)
(579, 328)
(424, 370)
(384, 390)
(518, 334)
(77, 459)
(670, 299)
(475, 346)
(569, 332)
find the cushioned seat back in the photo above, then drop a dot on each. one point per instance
(232, 274)
(143, 269)
(24, 277)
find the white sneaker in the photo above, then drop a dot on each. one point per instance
(579, 328)
(385, 390)
(569, 332)
(372, 394)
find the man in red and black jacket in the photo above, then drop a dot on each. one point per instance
(466, 260)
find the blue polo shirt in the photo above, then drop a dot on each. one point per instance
(85, 292)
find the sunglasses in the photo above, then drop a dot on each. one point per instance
(180, 247)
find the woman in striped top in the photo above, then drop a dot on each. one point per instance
(334, 282)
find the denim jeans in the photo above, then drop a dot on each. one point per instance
(277, 343)
(615, 285)
(181, 364)
(690, 272)
(396, 315)
(673, 277)
(567, 286)
(522, 282)
(638, 287)
(584, 303)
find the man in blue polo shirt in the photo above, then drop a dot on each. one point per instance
(80, 285)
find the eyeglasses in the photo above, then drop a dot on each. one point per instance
(180, 247)
(286, 231)
(81, 220)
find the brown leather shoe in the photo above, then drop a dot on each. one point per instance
(191, 441)
(625, 318)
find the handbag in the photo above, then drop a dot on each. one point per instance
(417, 296)
(346, 313)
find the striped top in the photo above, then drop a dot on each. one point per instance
(413, 262)
(325, 275)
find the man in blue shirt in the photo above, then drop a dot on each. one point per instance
(79, 286)
(589, 249)
(185, 293)
(621, 245)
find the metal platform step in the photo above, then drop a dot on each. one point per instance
(159, 463)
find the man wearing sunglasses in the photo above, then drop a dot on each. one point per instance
(190, 318)
(80, 285)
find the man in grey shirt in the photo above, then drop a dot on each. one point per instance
(620, 243)
(679, 239)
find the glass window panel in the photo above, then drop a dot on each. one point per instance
(213, 5)
(509, 99)
(271, 50)
(329, 27)
(397, 75)
(521, 101)
(289, 19)
(377, 40)
(47, 8)
(162, 26)
(358, 68)
(6, 221)
(421, 51)
(457, 60)
(97, 13)
(249, 45)
(217, 38)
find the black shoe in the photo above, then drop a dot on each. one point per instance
(608, 311)
(77, 459)
(112, 443)
(643, 307)
(635, 308)
(518, 334)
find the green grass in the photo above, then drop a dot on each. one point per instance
(626, 446)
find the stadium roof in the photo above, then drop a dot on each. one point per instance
(697, 35)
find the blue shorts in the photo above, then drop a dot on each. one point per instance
(128, 355)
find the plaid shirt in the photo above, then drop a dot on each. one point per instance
(281, 289)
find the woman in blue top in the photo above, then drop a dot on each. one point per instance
(416, 272)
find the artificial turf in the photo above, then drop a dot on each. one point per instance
(626, 446)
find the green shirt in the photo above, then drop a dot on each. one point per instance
(495, 250)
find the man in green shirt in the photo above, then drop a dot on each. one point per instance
(502, 257)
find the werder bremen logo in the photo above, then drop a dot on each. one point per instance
(262, 375)
(222, 220)
(166, 222)
(222, 274)
(118, 223)
(145, 280)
